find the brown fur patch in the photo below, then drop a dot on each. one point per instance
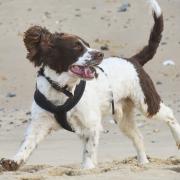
(152, 98)
(56, 50)
(35, 39)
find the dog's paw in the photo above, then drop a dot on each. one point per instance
(9, 165)
(88, 164)
(143, 160)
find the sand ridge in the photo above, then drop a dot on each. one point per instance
(45, 171)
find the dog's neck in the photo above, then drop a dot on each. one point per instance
(62, 79)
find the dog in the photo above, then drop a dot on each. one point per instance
(114, 86)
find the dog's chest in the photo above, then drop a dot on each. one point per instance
(95, 102)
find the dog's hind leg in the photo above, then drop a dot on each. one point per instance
(166, 114)
(90, 142)
(124, 118)
(37, 130)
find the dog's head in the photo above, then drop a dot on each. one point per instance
(61, 52)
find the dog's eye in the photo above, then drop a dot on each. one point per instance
(78, 46)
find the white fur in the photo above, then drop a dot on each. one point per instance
(87, 56)
(155, 6)
(95, 104)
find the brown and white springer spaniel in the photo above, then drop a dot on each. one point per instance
(66, 60)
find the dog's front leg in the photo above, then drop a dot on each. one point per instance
(37, 130)
(90, 142)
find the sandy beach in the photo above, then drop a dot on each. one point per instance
(102, 24)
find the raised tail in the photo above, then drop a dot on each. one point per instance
(149, 51)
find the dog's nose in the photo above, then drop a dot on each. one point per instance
(97, 56)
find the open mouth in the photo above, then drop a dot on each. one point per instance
(86, 72)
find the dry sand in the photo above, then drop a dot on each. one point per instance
(100, 23)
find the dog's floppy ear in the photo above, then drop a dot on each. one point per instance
(37, 41)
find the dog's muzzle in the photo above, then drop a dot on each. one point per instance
(88, 71)
(96, 58)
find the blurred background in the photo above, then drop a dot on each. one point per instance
(117, 27)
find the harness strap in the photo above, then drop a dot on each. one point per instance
(60, 112)
(43, 102)
(72, 101)
(54, 84)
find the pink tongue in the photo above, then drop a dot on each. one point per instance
(88, 73)
(77, 70)
(85, 72)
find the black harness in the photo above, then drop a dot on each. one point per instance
(60, 111)
(54, 84)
